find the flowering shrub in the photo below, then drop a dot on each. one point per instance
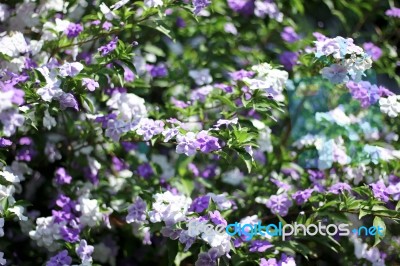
(122, 122)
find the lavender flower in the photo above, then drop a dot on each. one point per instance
(374, 51)
(5, 142)
(84, 251)
(241, 74)
(339, 188)
(380, 191)
(206, 142)
(335, 73)
(73, 30)
(302, 196)
(148, 128)
(207, 258)
(187, 144)
(68, 100)
(200, 5)
(279, 204)
(244, 7)
(289, 35)
(70, 234)
(137, 211)
(364, 92)
(393, 12)
(62, 177)
(90, 84)
(269, 262)
(61, 259)
(217, 218)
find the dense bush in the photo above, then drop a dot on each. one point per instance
(131, 132)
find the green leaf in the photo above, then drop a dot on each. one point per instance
(172, 247)
(379, 222)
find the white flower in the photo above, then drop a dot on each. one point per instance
(153, 3)
(14, 44)
(48, 120)
(169, 208)
(46, 233)
(127, 106)
(1, 227)
(201, 76)
(233, 177)
(70, 69)
(90, 210)
(221, 201)
(52, 88)
(18, 210)
(10, 177)
(264, 140)
(5, 99)
(390, 105)
(2, 260)
(269, 80)
(7, 192)
(108, 14)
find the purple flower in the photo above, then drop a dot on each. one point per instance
(118, 164)
(374, 51)
(200, 5)
(84, 251)
(269, 262)
(187, 144)
(260, 246)
(288, 59)
(73, 30)
(217, 218)
(179, 103)
(25, 141)
(61, 259)
(5, 143)
(279, 204)
(289, 35)
(158, 71)
(199, 204)
(137, 211)
(393, 12)
(180, 22)
(207, 258)
(69, 234)
(109, 47)
(62, 177)
(90, 84)
(26, 154)
(68, 100)
(206, 142)
(61, 216)
(339, 188)
(145, 170)
(244, 7)
(210, 171)
(148, 128)
(380, 191)
(302, 196)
